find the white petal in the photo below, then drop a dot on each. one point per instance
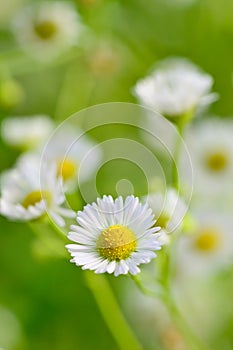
(80, 238)
(111, 266)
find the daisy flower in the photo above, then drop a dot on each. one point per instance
(175, 88)
(210, 145)
(31, 190)
(26, 132)
(75, 155)
(169, 209)
(209, 247)
(48, 28)
(114, 236)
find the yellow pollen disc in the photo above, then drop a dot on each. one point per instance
(35, 197)
(162, 220)
(217, 161)
(66, 168)
(208, 239)
(45, 30)
(116, 243)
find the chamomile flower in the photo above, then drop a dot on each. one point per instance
(26, 132)
(175, 88)
(31, 190)
(48, 28)
(210, 247)
(75, 155)
(169, 209)
(114, 236)
(210, 145)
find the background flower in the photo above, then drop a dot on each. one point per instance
(176, 88)
(209, 248)
(30, 190)
(210, 145)
(169, 209)
(47, 28)
(27, 132)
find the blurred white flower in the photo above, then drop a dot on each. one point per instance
(210, 247)
(75, 154)
(169, 209)
(48, 28)
(210, 144)
(27, 132)
(114, 236)
(175, 88)
(30, 190)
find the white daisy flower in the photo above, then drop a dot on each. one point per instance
(169, 209)
(210, 145)
(26, 132)
(176, 88)
(75, 154)
(210, 247)
(31, 190)
(48, 28)
(114, 236)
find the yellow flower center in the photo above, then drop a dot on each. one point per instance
(45, 30)
(217, 161)
(116, 243)
(66, 168)
(162, 220)
(35, 197)
(208, 239)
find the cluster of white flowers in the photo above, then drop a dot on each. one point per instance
(113, 236)
(179, 90)
(116, 236)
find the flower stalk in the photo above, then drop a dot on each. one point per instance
(111, 313)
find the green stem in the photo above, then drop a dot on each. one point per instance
(192, 341)
(45, 237)
(58, 230)
(189, 336)
(143, 289)
(111, 312)
(164, 281)
(176, 157)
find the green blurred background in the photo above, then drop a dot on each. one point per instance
(44, 301)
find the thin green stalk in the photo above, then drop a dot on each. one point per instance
(143, 289)
(164, 281)
(189, 336)
(45, 237)
(58, 230)
(110, 310)
(192, 341)
(176, 157)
